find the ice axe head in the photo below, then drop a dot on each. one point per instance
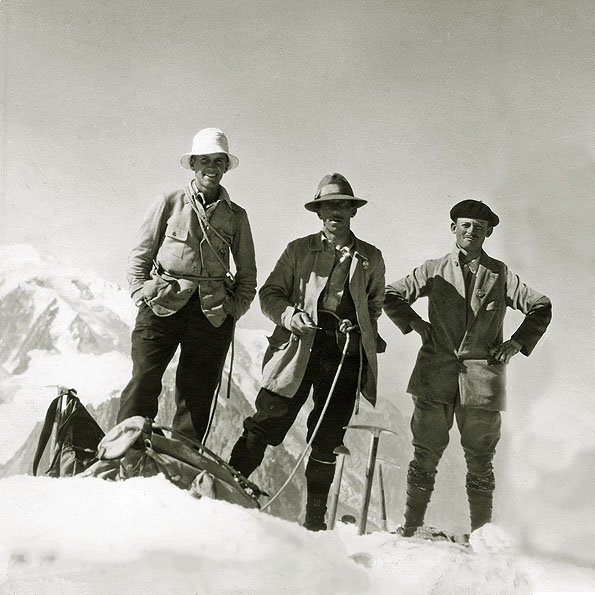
(342, 450)
(376, 430)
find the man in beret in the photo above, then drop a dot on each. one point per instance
(460, 368)
(180, 279)
(325, 288)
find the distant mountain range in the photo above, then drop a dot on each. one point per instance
(67, 327)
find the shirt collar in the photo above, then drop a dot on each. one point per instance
(460, 254)
(326, 245)
(196, 194)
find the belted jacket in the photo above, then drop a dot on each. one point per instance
(456, 359)
(294, 285)
(172, 258)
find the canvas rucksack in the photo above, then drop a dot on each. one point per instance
(74, 436)
(136, 447)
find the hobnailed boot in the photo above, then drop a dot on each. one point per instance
(480, 507)
(247, 453)
(319, 477)
(420, 485)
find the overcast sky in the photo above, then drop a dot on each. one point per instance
(419, 104)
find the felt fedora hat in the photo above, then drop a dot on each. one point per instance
(206, 142)
(334, 187)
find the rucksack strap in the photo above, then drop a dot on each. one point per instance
(48, 425)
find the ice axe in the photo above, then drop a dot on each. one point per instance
(382, 492)
(374, 439)
(341, 452)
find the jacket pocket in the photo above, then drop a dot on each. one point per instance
(175, 239)
(154, 286)
(166, 294)
(482, 385)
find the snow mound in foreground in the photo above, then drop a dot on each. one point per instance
(67, 536)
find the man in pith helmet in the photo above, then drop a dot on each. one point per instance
(323, 287)
(460, 368)
(180, 278)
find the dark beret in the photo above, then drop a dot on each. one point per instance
(474, 209)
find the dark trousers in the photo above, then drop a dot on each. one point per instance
(202, 354)
(431, 424)
(275, 414)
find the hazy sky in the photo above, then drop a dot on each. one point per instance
(419, 104)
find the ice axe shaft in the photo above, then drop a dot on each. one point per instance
(341, 452)
(374, 440)
(382, 498)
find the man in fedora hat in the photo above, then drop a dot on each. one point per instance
(323, 286)
(460, 368)
(180, 278)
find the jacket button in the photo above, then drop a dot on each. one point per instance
(174, 234)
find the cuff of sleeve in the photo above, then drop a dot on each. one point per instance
(137, 297)
(408, 328)
(287, 315)
(524, 350)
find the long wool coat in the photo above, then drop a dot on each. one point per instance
(295, 284)
(456, 358)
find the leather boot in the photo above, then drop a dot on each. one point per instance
(315, 512)
(319, 477)
(247, 453)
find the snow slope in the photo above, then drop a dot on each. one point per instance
(87, 536)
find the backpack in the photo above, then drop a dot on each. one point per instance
(136, 447)
(74, 435)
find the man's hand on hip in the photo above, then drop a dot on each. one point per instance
(422, 328)
(504, 352)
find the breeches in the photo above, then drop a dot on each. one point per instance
(431, 423)
(275, 414)
(203, 348)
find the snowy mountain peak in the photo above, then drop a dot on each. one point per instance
(45, 305)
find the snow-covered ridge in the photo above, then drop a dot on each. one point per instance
(47, 305)
(72, 536)
(21, 263)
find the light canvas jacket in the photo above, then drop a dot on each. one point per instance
(456, 359)
(172, 259)
(295, 284)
